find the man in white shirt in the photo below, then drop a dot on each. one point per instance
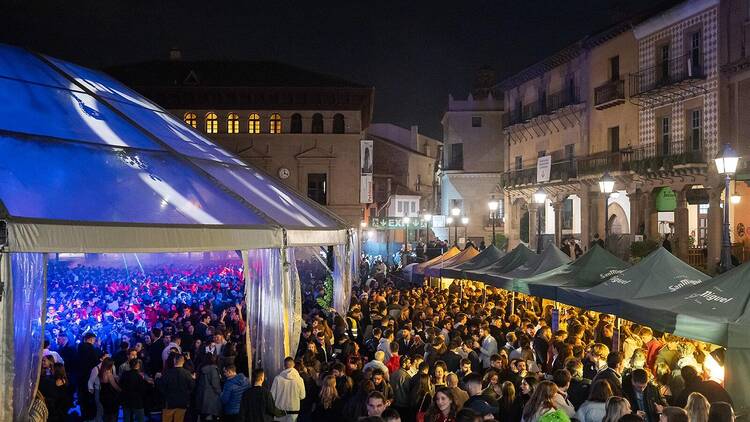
(175, 343)
(488, 346)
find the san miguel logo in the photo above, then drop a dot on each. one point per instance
(618, 280)
(709, 296)
(610, 273)
(684, 283)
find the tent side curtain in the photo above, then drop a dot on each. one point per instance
(7, 359)
(274, 308)
(97, 238)
(342, 283)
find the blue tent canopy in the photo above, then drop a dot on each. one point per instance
(84, 157)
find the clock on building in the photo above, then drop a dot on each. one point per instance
(283, 173)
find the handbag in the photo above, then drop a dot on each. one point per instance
(421, 414)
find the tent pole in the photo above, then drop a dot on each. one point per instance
(512, 302)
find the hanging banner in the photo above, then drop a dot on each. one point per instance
(365, 182)
(543, 166)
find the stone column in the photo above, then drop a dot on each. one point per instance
(509, 229)
(597, 215)
(650, 217)
(635, 212)
(533, 236)
(715, 215)
(682, 227)
(557, 206)
(585, 217)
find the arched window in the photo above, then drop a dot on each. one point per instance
(212, 123)
(317, 123)
(275, 123)
(338, 123)
(191, 119)
(296, 124)
(233, 123)
(254, 123)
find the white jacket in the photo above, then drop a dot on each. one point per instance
(288, 390)
(487, 349)
(591, 411)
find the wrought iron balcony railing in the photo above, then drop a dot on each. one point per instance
(609, 94)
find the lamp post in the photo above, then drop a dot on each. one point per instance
(406, 220)
(449, 222)
(465, 222)
(455, 212)
(606, 186)
(427, 217)
(726, 165)
(540, 197)
(493, 204)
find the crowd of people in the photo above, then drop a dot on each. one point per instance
(399, 354)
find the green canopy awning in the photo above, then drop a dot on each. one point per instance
(485, 258)
(658, 273)
(512, 260)
(590, 269)
(551, 258)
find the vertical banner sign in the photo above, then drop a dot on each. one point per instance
(543, 166)
(555, 320)
(365, 181)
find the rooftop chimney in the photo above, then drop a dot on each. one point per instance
(415, 137)
(175, 54)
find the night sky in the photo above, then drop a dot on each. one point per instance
(413, 52)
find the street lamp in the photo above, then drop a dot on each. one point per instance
(493, 204)
(465, 222)
(606, 186)
(427, 217)
(726, 164)
(540, 197)
(449, 222)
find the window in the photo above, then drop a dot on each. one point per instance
(413, 207)
(457, 156)
(665, 135)
(570, 151)
(614, 68)
(233, 123)
(254, 123)
(317, 123)
(316, 187)
(696, 130)
(519, 162)
(541, 154)
(567, 214)
(275, 123)
(339, 125)
(457, 203)
(295, 126)
(191, 119)
(542, 101)
(212, 123)
(614, 139)
(572, 91)
(399, 206)
(663, 64)
(476, 121)
(418, 187)
(694, 67)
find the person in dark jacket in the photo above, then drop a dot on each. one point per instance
(175, 386)
(257, 404)
(135, 389)
(208, 389)
(642, 395)
(712, 390)
(88, 358)
(612, 373)
(231, 396)
(578, 391)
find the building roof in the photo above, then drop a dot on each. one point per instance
(225, 73)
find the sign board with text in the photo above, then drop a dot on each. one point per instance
(543, 167)
(396, 223)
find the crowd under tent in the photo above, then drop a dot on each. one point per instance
(508, 262)
(89, 166)
(592, 268)
(459, 258)
(658, 273)
(487, 257)
(552, 257)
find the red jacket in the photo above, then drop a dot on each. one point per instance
(393, 363)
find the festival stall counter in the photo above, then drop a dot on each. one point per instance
(592, 268)
(658, 273)
(487, 257)
(512, 260)
(461, 257)
(90, 166)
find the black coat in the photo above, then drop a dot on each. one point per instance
(135, 389)
(612, 377)
(257, 405)
(651, 397)
(712, 390)
(88, 358)
(176, 386)
(578, 391)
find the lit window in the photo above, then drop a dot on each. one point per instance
(233, 123)
(212, 123)
(275, 123)
(191, 119)
(254, 123)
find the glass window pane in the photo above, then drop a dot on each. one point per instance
(62, 113)
(110, 185)
(268, 195)
(17, 63)
(176, 134)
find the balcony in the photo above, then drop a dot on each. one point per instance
(610, 94)
(671, 80)
(551, 105)
(676, 157)
(596, 164)
(560, 171)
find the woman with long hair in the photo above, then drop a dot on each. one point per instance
(697, 408)
(595, 407)
(61, 396)
(510, 407)
(422, 397)
(443, 407)
(527, 387)
(439, 373)
(540, 402)
(328, 407)
(110, 391)
(721, 411)
(616, 408)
